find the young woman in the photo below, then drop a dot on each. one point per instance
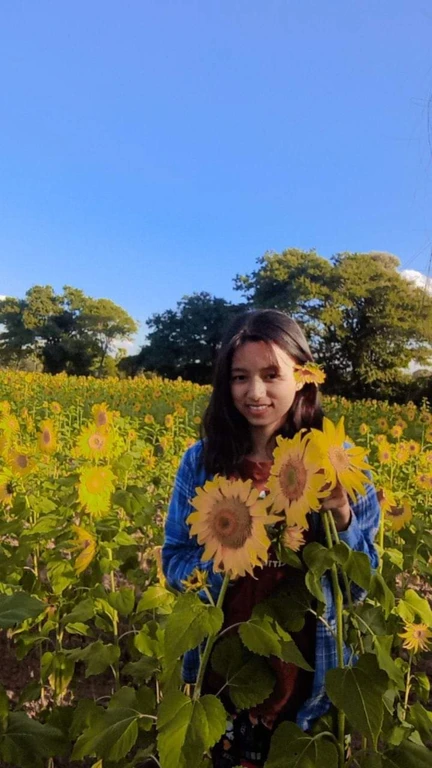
(255, 398)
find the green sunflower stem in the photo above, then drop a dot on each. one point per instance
(338, 598)
(210, 642)
(347, 586)
(407, 687)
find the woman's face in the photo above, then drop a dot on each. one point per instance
(263, 386)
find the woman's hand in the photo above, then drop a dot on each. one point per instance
(338, 505)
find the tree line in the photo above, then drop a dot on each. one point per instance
(365, 323)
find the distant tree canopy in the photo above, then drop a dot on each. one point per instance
(68, 332)
(184, 342)
(365, 322)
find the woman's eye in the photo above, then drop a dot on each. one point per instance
(238, 377)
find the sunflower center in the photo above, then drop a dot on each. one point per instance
(293, 478)
(101, 419)
(22, 461)
(96, 442)
(95, 483)
(231, 523)
(339, 458)
(46, 436)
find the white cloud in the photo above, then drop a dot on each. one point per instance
(418, 278)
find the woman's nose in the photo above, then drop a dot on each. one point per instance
(256, 389)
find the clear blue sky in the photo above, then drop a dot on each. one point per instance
(153, 148)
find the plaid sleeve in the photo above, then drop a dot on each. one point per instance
(181, 553)
(361, 532)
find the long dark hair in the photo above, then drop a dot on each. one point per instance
(226, 431)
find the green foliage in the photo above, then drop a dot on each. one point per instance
(68, 332)
(15, 608)
(188, 728)
(292, 748)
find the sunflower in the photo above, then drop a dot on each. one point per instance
(382, 423)
(385, 453)
(398, 516)
(364, 429)
(413, 447)
(95, 488)
(416, 637)
(86, 542)
(148, 419)
(424, 481)
(428, 435)
(47, 437)
(169, 421)
(309, 373)
(9, 424)
(295, 480)
(196, 581)
(293, 537)
(396, 431)
(6, 489)
(386, 499)
(401, 453)
(342, 463)
(94, 443)
(20, 462)
(55, 407)
(230, 522)
(101, 415)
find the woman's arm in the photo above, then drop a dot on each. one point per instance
(181, 553)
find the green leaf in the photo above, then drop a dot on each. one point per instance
(249, 678)
(395, 556)
(61, 673)
(421, 719)
(155, 597)
(420, 605)
(78, 628)
(317, 558)
(141, 670)
(111, 738)
(96, 656)
(313, 584)
(27, 741)
(259, 636)
(358, 569)
(381, 592)
(292, 748)
(383, 646)
(189, 624)
(82, 611)
(150, 640)
(356, 694)
(407, 755)
(185, 731)
(4, 706)
(16, 608)
(122, 601)
(422, 686)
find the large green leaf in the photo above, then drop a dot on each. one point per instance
(157, 598)
(420, 606)
(354, 692)
(421, 719)
(408, 755)
(292, 748)
(358, 569)
(187, 729)
(249, 678)
(16, 608)
(261, 637)
(122, 601)
(96, 656)
(383, 646)
(26, 742)
(111, 737)
(189, 624)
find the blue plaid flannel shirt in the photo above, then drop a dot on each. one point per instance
(182, 553)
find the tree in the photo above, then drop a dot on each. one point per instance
(184, 342)
(68, 332)
(364, 321)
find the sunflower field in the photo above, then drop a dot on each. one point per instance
(92, 637)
